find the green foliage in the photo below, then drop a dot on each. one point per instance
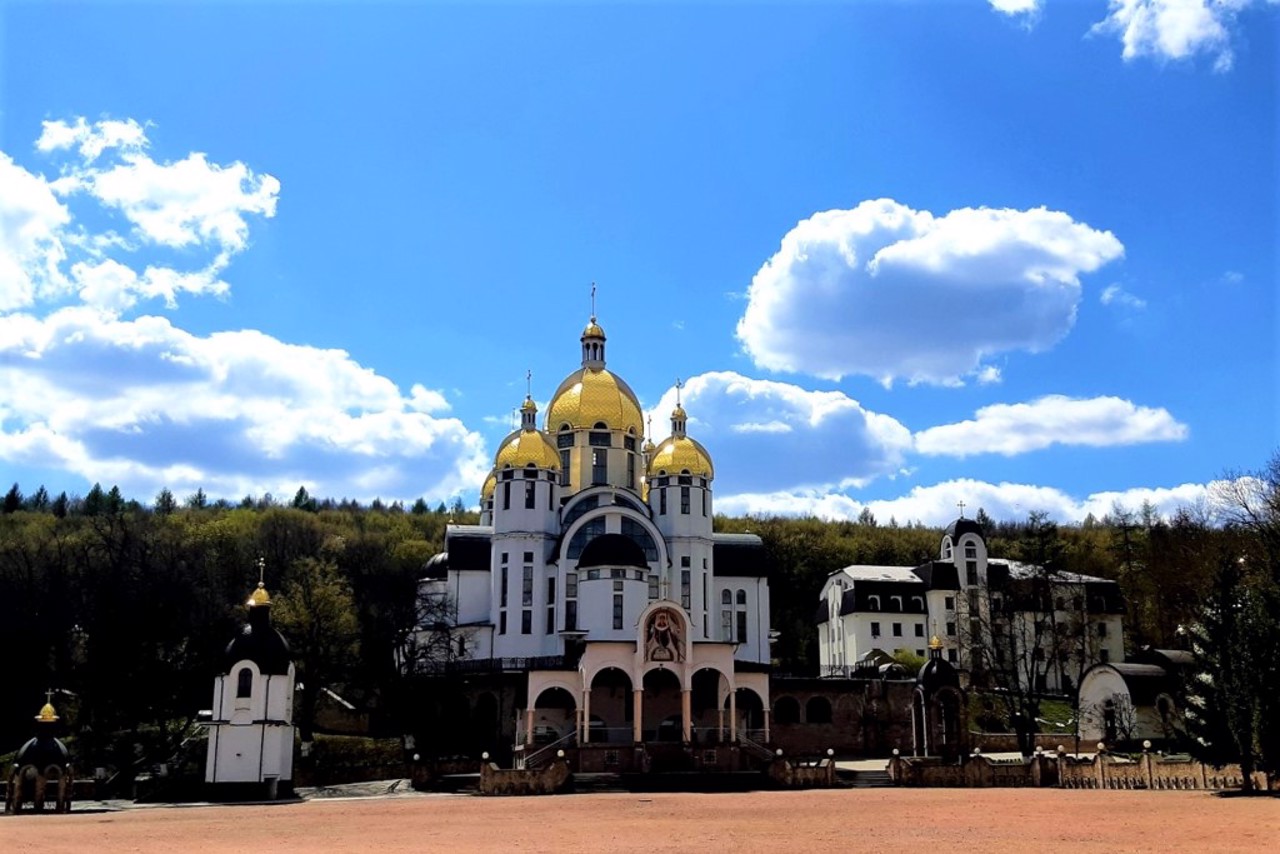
(908, 659)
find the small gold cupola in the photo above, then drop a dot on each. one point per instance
(593, 339)
(259, 597)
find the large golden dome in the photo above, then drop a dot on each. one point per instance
(525, 447)
(678, 454)
(588, 397)
(490, 484)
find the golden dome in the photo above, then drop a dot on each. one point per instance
(588, 397)
(47, 714)
(592, 329)
(935, 642)
(524, 447)
(680, 453)
(259, 596)
(679, 414)
(490, 484)
(528, 405)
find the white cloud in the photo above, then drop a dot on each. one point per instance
(31, 246)
(1118, 296)
(1175, 29)
(91, 139)
(937, 505)
(894, 293)
(1017, 428)
(144, 404)
(1027, 12)
(775, 435)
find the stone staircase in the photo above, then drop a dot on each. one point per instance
(866, 779)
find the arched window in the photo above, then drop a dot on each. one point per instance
(786, 710)
(873, 603)
(244, 682)
(818, 710)
(726, 598)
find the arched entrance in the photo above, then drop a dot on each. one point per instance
(709, 722)
(661, 707)
(553, 715)
(609, 707)
(750, 710)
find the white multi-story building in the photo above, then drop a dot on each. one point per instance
(1001, 621)
(594, 581)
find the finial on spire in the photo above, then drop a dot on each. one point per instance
(679, 385)
(528, 383)
(593, 302)
(48, 696)
(262, 571)
(961, 506)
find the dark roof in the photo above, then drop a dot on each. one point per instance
(738, 555)
(470, 547)
(823, 613)
(260, 643)
(939, 575)
(436, 567)
(1146, 682)
(937, 673)
(1170, 659)
(42, 751)
(612, 550)
(962, 526)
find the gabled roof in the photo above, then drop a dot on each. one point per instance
(739, 556)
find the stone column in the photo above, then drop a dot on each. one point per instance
(720, 717)
(528, 725)
(686, 715)
(766, 726)
(733, 715)
(637, 715)
(586, 715)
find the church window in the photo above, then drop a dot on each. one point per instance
(742, 616)
(599, 439)
(639, 535)
(617, 610)
(551, 604)
(631, 471)
(564, 440)
(571, 615)
(919, 630)
(502, 622)
(506, 496)
(704, 502)
(951, 630)
(526, 622)
(662, 502)
(685, 479)
(949, 603)
(502, 589)
(684, 501)
(507, 473)
(897, 630)
(726, 625)
(873, 603)
(589, 531)
(951, 656)
(971, 551)
(896, 603)
(971, 571)
(526, 586)
(571, 585)
(653, 587)
(530, 496)
(528, 557)
(917, 602)
(564, 468)
(685, 591)
(530, 472)
(599, 467)
(629, 442)
(663, 481)
(875, 630)
(244, 682)
(726, 598)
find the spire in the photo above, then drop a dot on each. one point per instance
(678, 416)
(960, 504)
(593, 339)
(528, 409)
(259, 596)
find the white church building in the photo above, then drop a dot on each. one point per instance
(999, 621)
(595, 585)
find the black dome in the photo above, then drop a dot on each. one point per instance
(963, 526)
(43, 751)
(260, 643)
(612, 550)
(437, 567)
(936, 674)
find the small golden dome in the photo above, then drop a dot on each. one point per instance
(525, 447)
(47, 714)
(589, 397)
(528, 405)
(648, 447)
(592, 329)
(259, 596)
(679, 414)
(935, 642)
(490, 484)
(680, 453)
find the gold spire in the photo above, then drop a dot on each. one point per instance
(47, 714)
(260, 596)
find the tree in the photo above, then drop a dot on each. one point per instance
(316, 613)
(13, 500)
(39, 500)
(198, 500)
(303, 501)
(165, 502)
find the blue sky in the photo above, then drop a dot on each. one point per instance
(902, 254)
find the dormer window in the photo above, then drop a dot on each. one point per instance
(873, 603)
(244, 683)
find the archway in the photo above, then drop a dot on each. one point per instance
(708, 722)
(750, 713)
(610, 706)
(786, 710)
(817, 711)
(661, 705)
(553, 715)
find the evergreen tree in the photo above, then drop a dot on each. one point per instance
(13, 500)
(95, 503)
(198, 500)
(60, 505)
(39, 502)
(165, 502)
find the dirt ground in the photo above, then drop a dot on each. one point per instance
(981, 820)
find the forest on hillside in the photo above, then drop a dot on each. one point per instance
(123, 609)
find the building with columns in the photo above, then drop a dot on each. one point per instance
(594, 604)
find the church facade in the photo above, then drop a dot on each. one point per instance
(594, 603)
